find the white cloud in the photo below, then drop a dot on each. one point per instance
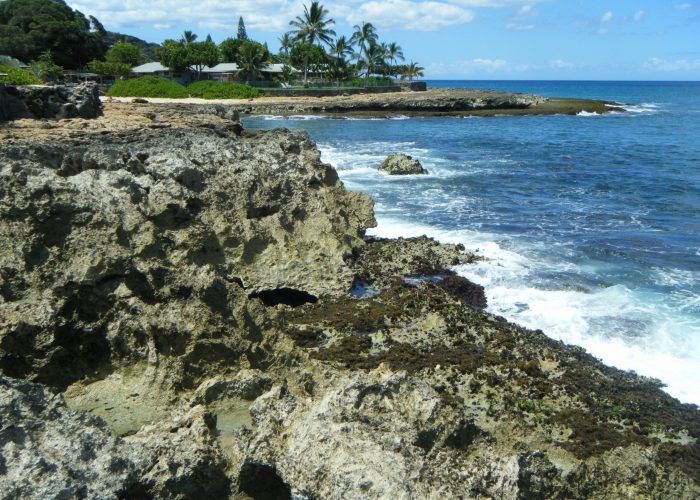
(657, 64)
(409, 15)
(471, 67)
(519, 27)
(638, 15)
(607, 17)
(560, 64)
(684, 6)
(525, 10)
(274, 15)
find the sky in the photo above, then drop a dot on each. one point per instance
(460, 39)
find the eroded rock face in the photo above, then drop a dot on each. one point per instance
(141, 244)
(189, 282)
(59, 102)
(402, 164)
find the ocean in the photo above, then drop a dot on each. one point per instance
(590, 224)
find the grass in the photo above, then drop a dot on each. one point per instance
(208, 89)
(147, 86)
(152, 86)
(18, 76)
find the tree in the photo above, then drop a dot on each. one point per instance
(106, 68)
(312, 57)
(365, 34)
(252, 56)
(229, 49)
(188, 37)
(202, 54)
(241, 35)
(341, 48)
(394, 52)
(174, 54)
(45, 68)
(286, 44)
(311, 28)
(28, 28)
(411, 70)
(124, 53)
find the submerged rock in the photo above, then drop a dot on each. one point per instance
(402, 164)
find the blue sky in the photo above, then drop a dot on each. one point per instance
(461, 39)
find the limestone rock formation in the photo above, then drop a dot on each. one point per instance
(194, 285)
(402, 164)
(59, 102)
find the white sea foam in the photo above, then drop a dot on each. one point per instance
(587, 113)
(625, 328)
(644, 107)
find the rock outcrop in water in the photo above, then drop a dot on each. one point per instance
(208, 293)
(402, 164)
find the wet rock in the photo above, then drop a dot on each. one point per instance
(402, 164)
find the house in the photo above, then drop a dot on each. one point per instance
(223, 72)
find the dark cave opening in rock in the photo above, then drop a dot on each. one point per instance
(261, 481)
(288, 296)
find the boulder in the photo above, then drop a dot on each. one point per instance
(54, 102)
(402, 164)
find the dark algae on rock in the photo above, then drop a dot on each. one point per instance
(192, 310)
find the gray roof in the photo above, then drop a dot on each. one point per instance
(222, 68)
(151, 67)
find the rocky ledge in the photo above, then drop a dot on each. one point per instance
(45, 101)
(189, 309)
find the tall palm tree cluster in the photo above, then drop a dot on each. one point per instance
(362, 53)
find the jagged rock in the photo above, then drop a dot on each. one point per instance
(60, 102)
(402, 164)
(49, 451)
(135, 245)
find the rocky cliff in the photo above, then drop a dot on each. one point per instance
(56, 102)
(189, 309)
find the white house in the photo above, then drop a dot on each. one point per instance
(221, 72)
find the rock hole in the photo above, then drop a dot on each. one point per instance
(261, 481)
(286, 296)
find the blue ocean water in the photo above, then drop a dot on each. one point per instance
(590, 224)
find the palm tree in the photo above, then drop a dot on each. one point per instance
(313, 27)
(365, 33)
(188, 37)
(286, 43)
(341, 48)
(412, 70)
(251, 57)
(394, 52)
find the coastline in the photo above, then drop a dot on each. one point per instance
(184, 208)
(433, 102)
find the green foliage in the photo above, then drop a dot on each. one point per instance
(208, 89)
(182, 54)
(45, 68)
(370, 81)
(106, 68)
(242, 35)
(307, 56)
(28, 28)
(174, 55)
(18, 76)
(251, 57)
(147, 86)
(229, 49)
(124, 53)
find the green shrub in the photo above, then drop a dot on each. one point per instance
(18, 76)
(208, 89)
(372, 81)
(147, 86)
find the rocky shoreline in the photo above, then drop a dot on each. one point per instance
(190, 309)
(433, 102)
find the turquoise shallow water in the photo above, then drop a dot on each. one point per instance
(591, 223)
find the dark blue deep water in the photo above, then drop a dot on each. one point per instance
(591, 223)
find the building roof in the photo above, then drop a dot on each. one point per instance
(151, 67)
(222, 68)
